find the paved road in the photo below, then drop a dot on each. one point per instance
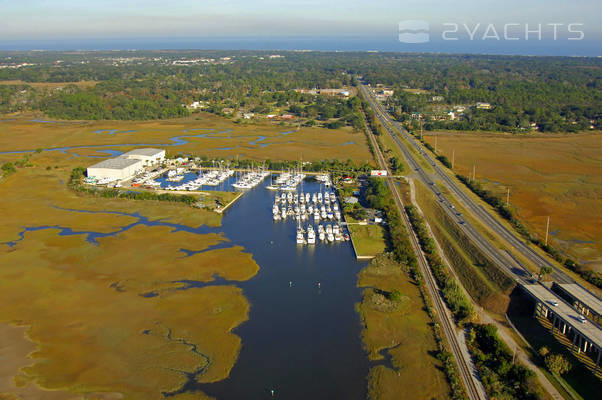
(468, 373)
(502, 259)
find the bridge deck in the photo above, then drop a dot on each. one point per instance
(566, 313)
(583, 296)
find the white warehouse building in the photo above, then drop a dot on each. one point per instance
(148, 156)
(120, 168)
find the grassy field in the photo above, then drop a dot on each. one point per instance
(221, 138)
(548, 175)
(400, 330)
(107, 319)
(485, 283)
(368, 240)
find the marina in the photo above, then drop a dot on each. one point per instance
(302, 313)
(311, 212)
(309, 203)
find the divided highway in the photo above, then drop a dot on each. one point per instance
(473, 387)
(509, 265)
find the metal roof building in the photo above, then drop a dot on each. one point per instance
(119, 168)
(147, 155)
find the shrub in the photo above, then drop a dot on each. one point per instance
(557, 364)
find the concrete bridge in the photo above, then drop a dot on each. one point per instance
(586, 336)
(582, 299)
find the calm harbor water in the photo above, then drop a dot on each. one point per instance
(302, 339)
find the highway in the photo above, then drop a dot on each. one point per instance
(504, 261)
(473, 387)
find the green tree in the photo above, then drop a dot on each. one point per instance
(8, 168)
(557, 364)
(544, 351)
(545, 270)
(394, 295)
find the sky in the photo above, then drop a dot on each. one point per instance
(30, 20)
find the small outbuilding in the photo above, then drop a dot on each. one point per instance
(351, 200)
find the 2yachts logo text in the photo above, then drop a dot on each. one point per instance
(418, 31)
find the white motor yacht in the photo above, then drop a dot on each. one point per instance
(311, 235)
(300, 236)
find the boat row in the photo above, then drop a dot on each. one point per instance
(303, 206)
(328, 233)
(209, 178)
(287, 181)
(100, 181)
(307, 198)
(250, 179)
(147, 178)
(323, 178)
(302, 213)
(175, 175)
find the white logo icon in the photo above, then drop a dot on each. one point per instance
(414, 31)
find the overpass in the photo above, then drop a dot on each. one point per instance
(585, 335)
(582, 299)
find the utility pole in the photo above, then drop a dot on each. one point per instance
(547, 230)
(453, 157)
(474, 172)
(508, 197)
(436, 137)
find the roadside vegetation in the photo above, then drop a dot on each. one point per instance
(502, 376)
(454, 296)
(487, 285)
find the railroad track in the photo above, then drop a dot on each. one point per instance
(462, 358)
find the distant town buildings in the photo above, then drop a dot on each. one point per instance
(328, 92)
(483, 106)
(195, 105)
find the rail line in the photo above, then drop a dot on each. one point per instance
(472, 388)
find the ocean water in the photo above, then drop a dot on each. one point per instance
(390, 43)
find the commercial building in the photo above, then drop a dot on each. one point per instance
(148, 156)
(126, 165)
(119, 168)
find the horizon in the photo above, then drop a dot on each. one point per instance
(543, 48)
(481, 27)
